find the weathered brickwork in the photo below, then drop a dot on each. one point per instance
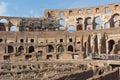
(61, 45)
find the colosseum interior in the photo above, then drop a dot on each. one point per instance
(65, 44)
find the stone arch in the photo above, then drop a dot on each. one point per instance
(71, 28)
(88, 22)
(116, 7)
(5, 21)
(10, 49)
(100, 71)
(61, 14)
(1, 40)
(79, 20)
(13, 28)
(61, 21)
(62, 28)
(114, 18)
(31, 49)
(20, 50)
(110, 45)
(106, 25)
(70, 48)
(50, 48)
(39, 54)
(96, 22)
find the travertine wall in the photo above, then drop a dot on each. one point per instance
(98, 17)
(96, 33)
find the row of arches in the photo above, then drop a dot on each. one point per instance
(96, 45)
(31, 49)
(4, 23)
(94, 23)
(60, 48)
(89, 11)
(20, 49)
(90, 23)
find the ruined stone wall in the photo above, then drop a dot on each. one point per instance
(112, 75)
(90, 18)
(96, 32)
(76, 45)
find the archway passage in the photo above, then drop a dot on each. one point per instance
(60, 49)
(111, 43)
(31, 49)
(39, 54)
(50, 48)
(79, 27)
(13, 28)
(70, 48)
(20, 50)
(10, 49)
(71, 28)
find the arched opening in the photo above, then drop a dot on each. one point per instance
(107, 10)
(5, 21)
(106, 25)
(100, 72)
(88, 27)
(10, 49)
(20, 50)
(61, 14)
(97, 26)
(13, 28)
(61, 22)
(2, 24)
(71, 28)
(60, 49)
(79, 20)
(1, 40)
(97, 20)
(116, 7)
(31, 49)
(39, 54)
(111, 43)
(88, 23)
(79, 11)
(70, 48)
(114, 18)
(50, 48)
(62, 28)
(79, 27)
(116, 24)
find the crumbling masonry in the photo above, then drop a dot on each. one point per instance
(60, 35)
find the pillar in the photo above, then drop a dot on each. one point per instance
(86, 49)
(107, 46)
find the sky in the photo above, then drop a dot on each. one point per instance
(35, 8)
